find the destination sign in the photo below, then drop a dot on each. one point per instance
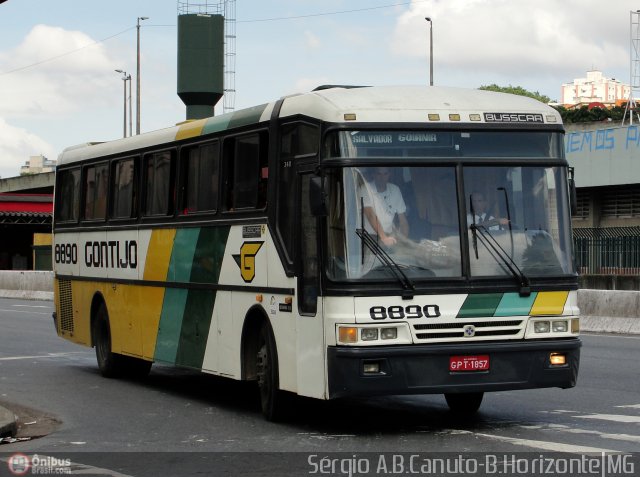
(513, 118)
(400, 139)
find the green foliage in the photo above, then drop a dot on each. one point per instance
(573, 115)
(584, 115)
(517, 90)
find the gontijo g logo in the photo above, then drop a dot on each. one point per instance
(246, 260)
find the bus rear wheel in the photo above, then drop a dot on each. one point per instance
(271, 398)
(464, 403)
(109, 363)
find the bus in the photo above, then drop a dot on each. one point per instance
(346, 242)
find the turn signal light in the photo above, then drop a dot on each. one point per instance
(348, 334)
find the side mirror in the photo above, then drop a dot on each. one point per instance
(318, 197)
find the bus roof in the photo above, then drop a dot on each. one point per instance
(375, 104)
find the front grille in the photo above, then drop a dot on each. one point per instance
(66, 305)
(482, 329)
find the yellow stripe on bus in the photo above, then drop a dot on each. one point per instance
(190, 129)
(549, 303)
(159, 254)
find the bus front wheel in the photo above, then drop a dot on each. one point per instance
(464, 403)
(267, 373)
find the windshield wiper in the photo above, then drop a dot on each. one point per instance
(379, 252)
(494, 249)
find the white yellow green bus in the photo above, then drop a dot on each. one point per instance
(244, 245)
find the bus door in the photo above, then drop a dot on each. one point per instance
(310, 328)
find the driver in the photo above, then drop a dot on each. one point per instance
(382, 205)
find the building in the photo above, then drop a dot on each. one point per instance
(595, 88)
(38, 165)
(606, 228)
(26, 210)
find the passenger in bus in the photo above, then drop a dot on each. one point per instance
(383, 205)
(479, 213)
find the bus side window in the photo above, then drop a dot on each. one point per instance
(95, 192)
(200, 165)
(124, 189)
(68, 196)
(297, 140)
(159, 183)
(246, 170)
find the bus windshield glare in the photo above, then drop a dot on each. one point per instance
(389, 217)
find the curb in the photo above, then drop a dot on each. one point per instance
(8, 425)
(27, 295)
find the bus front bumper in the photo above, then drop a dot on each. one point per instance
(424, 369)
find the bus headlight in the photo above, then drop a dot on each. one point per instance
(559, 326)
(389, 333)
(369, 334)
(541, 327)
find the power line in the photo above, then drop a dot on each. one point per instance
(294, 17)
(22, 68)
(310, 15)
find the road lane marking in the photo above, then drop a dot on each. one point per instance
(632, 406)
(544, 445)
(576, 430)
(33, 306)
(611, 417)
(50, 355)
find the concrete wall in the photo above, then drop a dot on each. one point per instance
(26, 284)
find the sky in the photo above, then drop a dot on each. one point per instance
(59, 88)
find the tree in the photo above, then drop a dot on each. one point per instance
(517, 90)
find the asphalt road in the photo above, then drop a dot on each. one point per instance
(122, 427)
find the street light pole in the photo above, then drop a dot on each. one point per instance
(125, 77)
(430, 50)
(138, 77)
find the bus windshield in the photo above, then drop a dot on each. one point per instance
(389, 217)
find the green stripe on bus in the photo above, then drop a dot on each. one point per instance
(247, 116)
(195, 328)
(204, 267)
(217, 124)
(170, 325)
(512, 304)
(175, 300)
(184, 249)
(479, 305)
(209, 253)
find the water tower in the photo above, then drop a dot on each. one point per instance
(201, 54)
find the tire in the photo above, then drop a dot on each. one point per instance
(271, 398)
(464, 403)
(109, 363)
(114, 365)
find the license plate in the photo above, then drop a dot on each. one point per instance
(469, 363)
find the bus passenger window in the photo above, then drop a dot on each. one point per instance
(200, 178)
(68, 200)
(159, 193)
(124, 189)
(246, 172)
(95, 195)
